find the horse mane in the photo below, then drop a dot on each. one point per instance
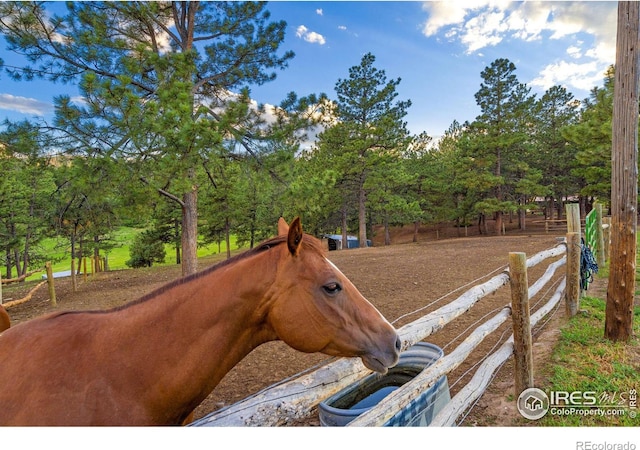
(308, 242)
(266, 245)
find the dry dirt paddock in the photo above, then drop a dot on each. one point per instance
(398, 279)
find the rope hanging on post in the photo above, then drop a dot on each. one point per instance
(588, 266)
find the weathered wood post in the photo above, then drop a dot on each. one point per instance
(572, 294)
(624, 177)
(573, 218)
(522, 347)
(52, 289)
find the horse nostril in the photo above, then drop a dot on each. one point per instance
(398, 343)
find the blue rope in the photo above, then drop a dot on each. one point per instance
(588, 266)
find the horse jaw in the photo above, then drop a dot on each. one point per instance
(375, 364)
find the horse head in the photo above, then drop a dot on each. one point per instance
(317, 309)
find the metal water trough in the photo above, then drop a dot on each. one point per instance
(356, 399)
(334, 241)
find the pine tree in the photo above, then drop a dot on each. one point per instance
(500, 137)
(371, 122)
(157, 78)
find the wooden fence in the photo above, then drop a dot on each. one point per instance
(295, 399)
(26, 298)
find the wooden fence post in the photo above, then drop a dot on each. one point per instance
(52, 289)
(74, 281)
(573, 218)
(522, 346)
(572, 295)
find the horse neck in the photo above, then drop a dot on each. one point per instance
(193, 333)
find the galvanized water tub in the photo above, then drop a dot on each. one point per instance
(356, 399)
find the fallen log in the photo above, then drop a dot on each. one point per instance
(20, 278)
(24, 299)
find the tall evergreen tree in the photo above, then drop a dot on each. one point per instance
(157, 80)
(26, 184)
(501, 135)
(554, 155)
(592, 138)
(372, 123)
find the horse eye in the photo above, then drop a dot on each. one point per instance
(332, 288)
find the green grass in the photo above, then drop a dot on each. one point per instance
(584, 360)
(57, 251)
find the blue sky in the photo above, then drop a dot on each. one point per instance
(438, 49)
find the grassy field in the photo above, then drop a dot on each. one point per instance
(58, 251)
(585, 362)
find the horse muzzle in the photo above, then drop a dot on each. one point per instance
(381, 360)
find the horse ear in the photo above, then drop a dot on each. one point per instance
(294, 238)
(283, 227)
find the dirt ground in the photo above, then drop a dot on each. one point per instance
(398, 279)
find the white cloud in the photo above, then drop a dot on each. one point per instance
(310, 36)
(319, 11)
(479, 24)
(442, 14)
(574, 51)
(342, 27)
(25, 105)
(483, 31)
(484, 23)
(578, 75)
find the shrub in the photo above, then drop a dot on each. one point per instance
(145, 250)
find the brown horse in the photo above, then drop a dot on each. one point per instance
(5, 322)
(151, 362)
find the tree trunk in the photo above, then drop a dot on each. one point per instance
(8, 257)
(522, 213)
(176, 239)
(190, 232)
(227, 236)
(74, 282)
(560, 208)
(416, 228)
(16, 257)
(362, 217)
(387, 234)
(499, 194)
(624, 178)
(345, 240)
